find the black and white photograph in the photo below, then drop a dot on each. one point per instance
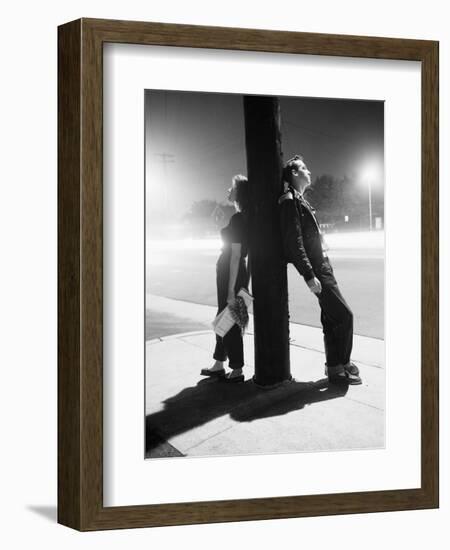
(264, 274)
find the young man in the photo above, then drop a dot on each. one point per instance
(303, 246)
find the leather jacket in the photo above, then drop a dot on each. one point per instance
(301, 236)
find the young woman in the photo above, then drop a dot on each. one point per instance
(231, 276)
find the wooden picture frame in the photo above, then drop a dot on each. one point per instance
(80, 272)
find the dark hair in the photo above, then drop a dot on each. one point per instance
(289, 166)
(240, 183)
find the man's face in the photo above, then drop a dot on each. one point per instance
(301, 176)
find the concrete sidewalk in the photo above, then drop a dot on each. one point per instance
(191, 415)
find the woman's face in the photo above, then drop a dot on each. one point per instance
(232, 194)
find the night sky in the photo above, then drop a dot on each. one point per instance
(195, 143)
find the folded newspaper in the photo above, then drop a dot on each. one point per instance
(234, 315)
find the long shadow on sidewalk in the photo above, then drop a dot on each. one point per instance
(210, 399)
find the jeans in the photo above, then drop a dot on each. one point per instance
(336, 318)
(231, 346)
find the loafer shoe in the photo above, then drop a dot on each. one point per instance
(213, 373)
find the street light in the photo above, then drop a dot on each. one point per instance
(369, 175)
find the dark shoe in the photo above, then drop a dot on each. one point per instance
(213, 373)
(343, 374)
(336, 375)
(352, 373)
(232, 379)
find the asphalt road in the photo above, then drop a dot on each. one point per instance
(190, 275)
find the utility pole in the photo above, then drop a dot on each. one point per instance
(166, 158)
(267, 265)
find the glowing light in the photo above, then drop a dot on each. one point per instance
(371, 172)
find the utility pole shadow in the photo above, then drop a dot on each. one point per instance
(210, 399)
